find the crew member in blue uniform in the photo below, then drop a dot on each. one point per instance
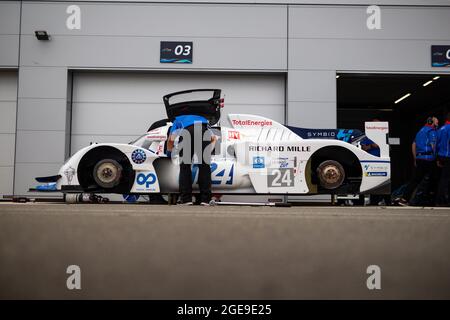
(443, 154)
(424, 155)
(195, 141)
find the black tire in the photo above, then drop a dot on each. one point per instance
(107, 173)
(331, 174)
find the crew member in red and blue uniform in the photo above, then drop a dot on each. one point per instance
(195, 149)
(424, 155)
(443, 154)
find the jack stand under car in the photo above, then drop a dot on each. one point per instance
(262, 204)
(84, 198)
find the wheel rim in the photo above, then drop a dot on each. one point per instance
(107, 173)
(331, 174)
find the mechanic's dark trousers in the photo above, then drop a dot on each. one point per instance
(443, 188)
(204, 175)
(423, 169)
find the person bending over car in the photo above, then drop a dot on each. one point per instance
(195, 146)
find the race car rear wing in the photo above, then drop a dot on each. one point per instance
(378, 132)
(202, 102)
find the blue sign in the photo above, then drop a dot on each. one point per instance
(176, 52)
(440, 56)
(258, 163)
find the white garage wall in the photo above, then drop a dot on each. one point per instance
(8, 106)
(119, 106)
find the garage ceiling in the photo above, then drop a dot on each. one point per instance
(380, 91)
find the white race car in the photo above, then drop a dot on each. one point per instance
(255, 155)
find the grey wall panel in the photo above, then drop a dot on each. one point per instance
(8, 116)
(312, 85)
(41, 114)
(8, 107)
(26, 172)
(9, 33)
(350, 23)
(368, 55)
(6, 179)
(37, 85)
(170, 20)
(312, 114)
(144, 87)
(143, 52)
(9, 50)
(135, 122)
(9, 17)
(128, 36)
(40, 146)
(7, 142)
(42, 82)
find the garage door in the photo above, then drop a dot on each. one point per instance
(8, 94)
(118, 107)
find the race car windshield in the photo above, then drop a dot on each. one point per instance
(137, 141)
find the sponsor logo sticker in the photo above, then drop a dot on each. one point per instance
(69, 173)
(284, 162)
(138, 156)
(376, 174)
(258, 162)
(146, 180)
(252, 123)
(234, 135)
(264, 148)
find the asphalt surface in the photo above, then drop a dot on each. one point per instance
(170, 252)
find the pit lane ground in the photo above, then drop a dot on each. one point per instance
(172, 252)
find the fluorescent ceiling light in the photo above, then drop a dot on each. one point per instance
(435, 78)
(427, 83)
(403, 98)
(337, 77)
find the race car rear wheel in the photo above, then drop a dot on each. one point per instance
(107, 173)
(331, 174)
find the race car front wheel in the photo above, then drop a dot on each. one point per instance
(107, 173)
(331, 174)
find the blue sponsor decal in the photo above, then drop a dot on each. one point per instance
(377, 174)
(138, 156)
(258, 163)
(147, 179)
(218, 177)
(344, 135)
(284, 163)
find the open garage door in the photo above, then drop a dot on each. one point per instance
(8, 107)
(405, 100)
(119, 106)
